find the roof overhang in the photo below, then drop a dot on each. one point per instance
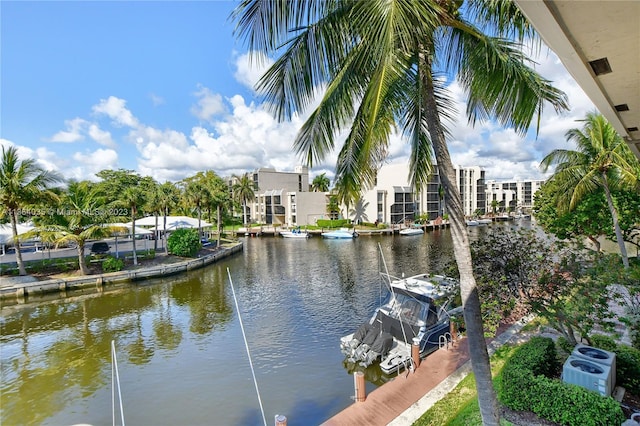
(580, 32)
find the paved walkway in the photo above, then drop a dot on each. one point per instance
(403, 400)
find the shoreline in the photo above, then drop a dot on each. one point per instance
(21, 287)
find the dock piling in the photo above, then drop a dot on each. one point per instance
(358, 380)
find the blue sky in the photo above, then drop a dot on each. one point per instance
(164, 88)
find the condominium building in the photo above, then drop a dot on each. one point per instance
(284, 198)
(393, 200)
(510, 196)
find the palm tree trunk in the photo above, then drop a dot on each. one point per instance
(219, 227)
(479, 355)
(16, 242)
(244, 213)
(83, 266)
(164, 230)
(155, 240)
(133, 234)
(616, 224)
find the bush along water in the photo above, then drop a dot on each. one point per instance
(184, 243)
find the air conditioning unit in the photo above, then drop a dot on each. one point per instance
(587, 374)
(599, 356)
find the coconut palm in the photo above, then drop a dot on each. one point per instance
(320, 183)
(133, 198)
(243, 192)
(381, 64)
(195, 194)
(169, 195)
(219, 199)
(602, 159)
(79, 217)
(22, 183)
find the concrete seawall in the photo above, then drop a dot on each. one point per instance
(19, 289)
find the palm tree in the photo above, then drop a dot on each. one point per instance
(153, 204)
(78, 218)
(381, 62)
(22, 183)
(320, 183)
(219, 198)
(602, 160)
(169, 196)
(195, 193)
(133, 198)
(243, 191)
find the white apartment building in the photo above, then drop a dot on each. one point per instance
(393, 200)
(512, 195)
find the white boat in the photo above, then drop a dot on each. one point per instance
(295, 233)
(472, 223)
(485, 221)
(417, 310)
(411, 231)
(342, 233)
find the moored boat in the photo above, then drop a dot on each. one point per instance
(342, 233)
(411, 231)
(417, 311)
(295, 233)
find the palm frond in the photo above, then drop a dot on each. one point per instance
(498, 81)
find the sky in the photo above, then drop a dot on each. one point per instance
(165, 89)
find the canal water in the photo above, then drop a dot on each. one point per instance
(180, 350)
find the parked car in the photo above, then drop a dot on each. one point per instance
(99, 248)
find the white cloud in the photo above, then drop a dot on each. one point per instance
(115, 108)
(245, 139)
(209, 104)
(86, 165)
(74, 132)
(45, 158)
(249, 69)
(101, 136)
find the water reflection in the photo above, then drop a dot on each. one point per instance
(180, 349)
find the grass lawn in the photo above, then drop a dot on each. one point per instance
(460, 406)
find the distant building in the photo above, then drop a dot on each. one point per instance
(393, 200)
(516, 196)
(284, 198)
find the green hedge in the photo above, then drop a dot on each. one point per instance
(336, 223)
(526, 386)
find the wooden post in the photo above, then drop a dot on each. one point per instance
(415, 352)
(358, 380)
(281, 420)
(454, 331)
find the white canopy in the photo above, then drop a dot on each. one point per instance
(6, 233)
(139, 230)
(173, 222)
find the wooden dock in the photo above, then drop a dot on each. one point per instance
(391, 402)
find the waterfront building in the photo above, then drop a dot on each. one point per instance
(392, 200)
(512, 196)
(285, 198)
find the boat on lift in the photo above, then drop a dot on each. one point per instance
(417, 310)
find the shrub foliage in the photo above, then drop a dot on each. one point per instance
(526, 385)
(184, 242)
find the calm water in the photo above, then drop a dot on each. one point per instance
(180, 350)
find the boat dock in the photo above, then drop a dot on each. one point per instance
(270, 231)
(404, 399)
